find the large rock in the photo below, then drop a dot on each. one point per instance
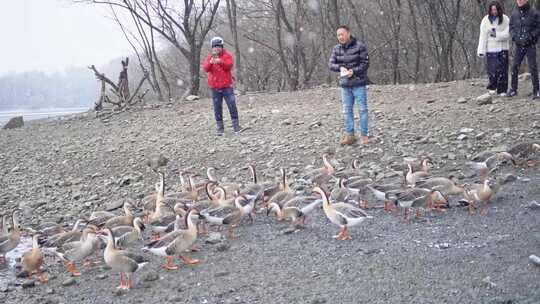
(14, 123)
(192, 98)
(484, 99)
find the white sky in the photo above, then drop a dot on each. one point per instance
(49, 35)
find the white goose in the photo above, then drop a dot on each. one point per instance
(342, 214)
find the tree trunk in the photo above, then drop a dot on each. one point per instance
(231, 13)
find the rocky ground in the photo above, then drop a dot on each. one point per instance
(58, 169)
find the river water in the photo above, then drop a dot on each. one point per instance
(38, 113)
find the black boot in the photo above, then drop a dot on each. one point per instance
(220, 128)
(236, 126)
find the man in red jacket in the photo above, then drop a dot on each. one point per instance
(219, 65)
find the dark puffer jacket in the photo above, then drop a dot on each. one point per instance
(525, 25)
(353, 55)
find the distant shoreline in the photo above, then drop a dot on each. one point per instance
(33, 114)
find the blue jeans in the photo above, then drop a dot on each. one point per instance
(230, 100)
(350, 96)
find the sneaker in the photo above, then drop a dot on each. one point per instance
(511, 93)
(535, 95)
(219, 133)
(347, 140)
(492, 92)
(364, 140)
(502, 95)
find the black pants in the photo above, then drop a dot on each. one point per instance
(230, 100)
(521, 52)
(497, 68)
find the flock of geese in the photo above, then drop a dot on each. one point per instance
(176, 219)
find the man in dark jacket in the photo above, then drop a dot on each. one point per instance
(525, 30)
(219, 65)
(350, 59)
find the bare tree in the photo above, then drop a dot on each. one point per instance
(233, 25)
(184, 26)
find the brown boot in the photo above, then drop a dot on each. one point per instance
(348, 139)
(364, 140)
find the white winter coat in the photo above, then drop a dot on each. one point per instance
(501, 41)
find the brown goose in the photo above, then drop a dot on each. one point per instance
(77, 251)
(418, 198)
(126, 263)
(484, 168)
(323, 175)
(524, 152)
(446, 185)
(10, 241)
(33, 259)
(126, 235)
(176, 243)
(413, 177)
(57, 240)
(244, 207)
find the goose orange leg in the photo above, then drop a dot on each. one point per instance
(129, 282)
(472, 208)
(188, 261)
(339, 236)
(170, 265)
(345, 235)
(70, 266)
(42, 278)
(230, 233)
(484, 209)
(122, 284)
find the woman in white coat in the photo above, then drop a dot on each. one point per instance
(494, 43)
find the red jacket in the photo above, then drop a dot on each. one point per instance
(219, 75)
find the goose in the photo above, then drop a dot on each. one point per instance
(446, 185)
(166, 223)
(161, 209)
(4, 225)
(229, 187)
(524, 152)
(260, 190)
(76, 251)
(413, 177)
(351, 173)
(322, 175)
(420, 164)
(176, 243)
(32, 260)
(481, 193)
(10, 240)
(293, 211)
(120, 220)
(218, 197)
(342, 214)
(358, 184)
(344, 193)
(126, 235)
(124, 262)
(381, 193)
(60, 239)
(416, 198)
(244, 207)
(484, 168)
(284, 194)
